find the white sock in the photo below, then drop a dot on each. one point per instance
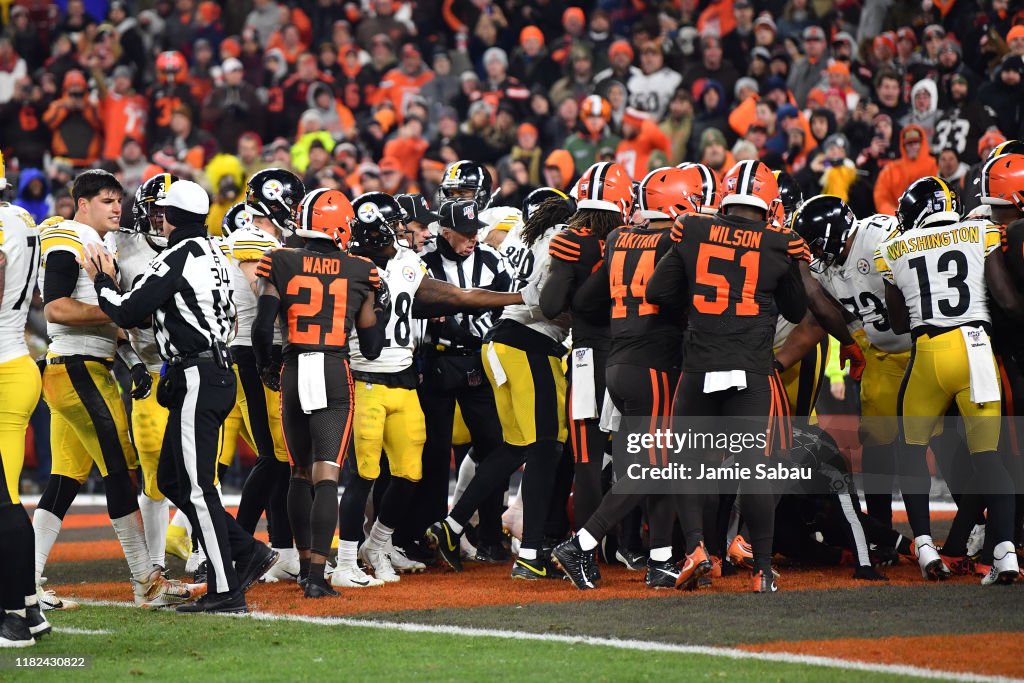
(527, 553)
(661, 554)
(587, 542)
(133, 540)
(456, 527)
(180, 520)
(155, 521)
(46, 526)
(923, 540)
(31, 600)
(347, 553)
(19, 612)
(380, 535)
(466, 471)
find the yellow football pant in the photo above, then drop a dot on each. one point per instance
(531, 401)
(20, 385)
(879, 394)
(389, 418)
(149, 421)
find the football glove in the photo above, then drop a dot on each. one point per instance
(382, 298)
(271, 376)
(531, 294)
(853, 354)
(142, 381)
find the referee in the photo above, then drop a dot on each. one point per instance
(187, 290)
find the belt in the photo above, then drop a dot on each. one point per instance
(77, 358)
(209, 355)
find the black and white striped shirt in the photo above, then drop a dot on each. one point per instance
(187, 290)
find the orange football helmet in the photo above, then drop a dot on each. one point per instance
(751, 183)
(171, 67)
(666, 193)
(1002, 181)
(595, 105)
(325, 214)
(710, 195)
(605, 186)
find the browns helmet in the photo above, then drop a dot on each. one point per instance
(710, 194)
(666, 193)
(605, 186)
(1002, 181)
(325, 214)
(751, 183)
(171, 67)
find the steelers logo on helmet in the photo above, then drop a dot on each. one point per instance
(243, 219)
(368, 212)
(273, 189)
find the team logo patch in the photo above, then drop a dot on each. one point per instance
(863, 267)
(273, 189)
(409, 274)
(469, 211)
(368, 212)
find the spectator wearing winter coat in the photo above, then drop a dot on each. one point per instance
(924, 104)
(1005, 94)
(807, 71)
(915, 162)
(34, 194)
(232, 108)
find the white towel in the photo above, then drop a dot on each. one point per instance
(720, 380)
(583, 402)
(312, 382)
(611, 418)
(496, 369)
(984, 380)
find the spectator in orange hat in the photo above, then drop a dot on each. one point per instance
(620, 64)
(405, 81)
(1015, 40)
(408, 147)
(641, 137)
(531, 62)
(528, 151)
(915, 162)
(558, 170)
(574, 25)
(75, 123)
(393, 179)
(906, 43)
(838, 79)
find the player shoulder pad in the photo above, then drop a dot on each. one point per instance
(249, 245)
(569, 244)
(266, 264)
(61, 235)
(373, 276)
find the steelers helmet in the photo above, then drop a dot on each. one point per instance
(144, 219)
(824, 222)
(465, 176)
(275, 193)
(790, 195)
(533, 200)
(238, 217)
(377, 219)
(1007, 147)
(927, 201)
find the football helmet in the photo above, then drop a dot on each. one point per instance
(146, 216)
(605, 186)
(171, 67)
(595, 105)
(275, 193)
(538, 197)
(465, 176)
(825, 223)
(710, 195)
(790, 196)
(751, 183)
(927, 201)
(325, 214)
(377, 219)
(238, 217)
(1002, 181)
(666, 193)
(1007, 147)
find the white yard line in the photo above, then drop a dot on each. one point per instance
(81, 631)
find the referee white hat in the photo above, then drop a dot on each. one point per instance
(187, 196)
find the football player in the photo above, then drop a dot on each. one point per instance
(320, 293)
(465, 180)
(937, 269)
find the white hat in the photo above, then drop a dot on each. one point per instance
(232, 64)
(187, 196)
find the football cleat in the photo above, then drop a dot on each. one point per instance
(49, 600)
(928, 559)
(353, 577)
(318, 589)
(252, 568)
(661, 574)
(401, 562)
(869, 574)
(882, 556)
(696, 566)
(575, 562)
(418, 551)
(447, 543)
(535, 570)
(156, 591)
(38, 626)
(195, 559)
(492, 553)
(376, 558)
(633, 561)
(976, 540)
(959, 566)
(467, 550)
(216, 603)
(178, 542)
(283, 570)
(14, 632)
(764, 584)
(1004, 565)
(740, 553)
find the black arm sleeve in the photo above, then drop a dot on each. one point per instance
(558, 289)
(593, 298)
(790, 296)
(61, 276)
(263, 329)
(668, 286)
(371, 339)
(158, 284)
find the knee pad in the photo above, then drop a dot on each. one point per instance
(121, 495)
(58, 495)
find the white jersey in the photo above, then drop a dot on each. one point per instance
(533, 268)
(243, 246)
(859, 287)
(94, 340)
(19, 242)
(651, 92)
(403, 276)
(135, 251)
(517, 257)
(504, 218)
(941, 271)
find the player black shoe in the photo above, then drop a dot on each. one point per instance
(447, 543)
(216, 603)
(254, 566)
(38, 626)
(543, 567)
(575, 562)
(419, 551)
(202, 572)
(633, 561)
(494, 553)
(14, 632)
(313, 588)
(764, 583)
(661, 574)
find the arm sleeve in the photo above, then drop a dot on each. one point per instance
(371, 339)
(158, 284)
(593, 298)
(263, 329)
(790, 296)
(557, 291)
(668, 283)
(61, 276)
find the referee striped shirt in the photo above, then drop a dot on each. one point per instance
(187, 290)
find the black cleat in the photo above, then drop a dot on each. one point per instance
(216, 603)
(447, 543)
(202, 572)
(764, 583)
(493, 554)
(575, 562)
(38, 626)
(535, 570)
(869, 574)
(661, 574)
(633, 561)
(14, 632)
(419, 551)
(256, 565)
(318, 589)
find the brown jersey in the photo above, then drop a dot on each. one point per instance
(730, 269)
(321, 293)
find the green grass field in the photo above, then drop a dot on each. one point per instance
(142, 645)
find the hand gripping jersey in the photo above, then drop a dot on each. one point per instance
(135, 251)
(19, 242)
(243, 246)
(95, 340)
(732, 267)
(582, 251)
(320, 297)
(940, 269)
(532, 267)
(859, 287)
(403, 276)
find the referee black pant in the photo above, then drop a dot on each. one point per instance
(199, 399)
